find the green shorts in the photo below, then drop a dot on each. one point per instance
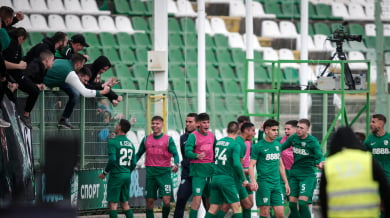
(118, 187)
(302, 186)
(200, 186)
(223, 189)
(269, 194)
(162, 183)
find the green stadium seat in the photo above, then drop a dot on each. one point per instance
(357, 46)
(34, 38)
(112, 54)
(25, 48)
(142, 40)
(137, 7)
(370, 42)
(190, 55)
(324, 11)
(143, 84)
(175, 40)
(149, 7)
(290, 10)
(188, 25)
(226, 72)
(209, 41)
(125, 40)
(261, 74)
(210, 57)
(108, 40)
(122, 71)
(290, 75)
(211, 72)
(93, 53)
(141, 55)
(176, 56)
(386, 42)
(310, 28)
(173, 25)
(127, 55)
(214, 87)
(92, 39)
(240, 71)
(191, 71)
(139, 23)
(234, 105)
(223, 56)
(140, 71)
(232, 87)
(121, 7)
(179, 86)
(387, 58)
(272, 7)
(371, 55)
(193, 86)
(356, 29)
(190, 40)
(174, 72)
(127, 84)
(322, 28)
(221, 41)
(238, 55)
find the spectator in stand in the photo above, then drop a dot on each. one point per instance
(57, 42)
(9, 17)
(76, 43)
(98, 67)
(31, 82)
(4, 43)
(63, 74)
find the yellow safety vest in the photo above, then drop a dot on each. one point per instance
(351, 189)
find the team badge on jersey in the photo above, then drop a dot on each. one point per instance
(265, 200)
(277, 148)
(303, 144)
(386, 142)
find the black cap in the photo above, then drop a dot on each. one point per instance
(78, 38)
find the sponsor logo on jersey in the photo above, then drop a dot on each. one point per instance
(380, 151)
(274, 156)
(300, 151)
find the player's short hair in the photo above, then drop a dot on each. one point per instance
(157, 117)
(202, 117)
(58, 37)
(194, 115)
(45, 54)
(232, 127)
(77, 57)
(6, 12)
(379, 117)
(17, 32)
(125, 125)
(305, 121)
(243, 119)
(84, 71)
(293, 123)
(270, 123)
(246, 125)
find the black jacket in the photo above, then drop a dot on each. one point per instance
(35, 71)
(185, 163)
(35, 51)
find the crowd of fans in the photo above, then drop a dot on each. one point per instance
(54, 62)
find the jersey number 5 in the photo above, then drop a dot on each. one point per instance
(126, 154)
(220, 156)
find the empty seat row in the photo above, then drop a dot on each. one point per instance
(55, 6)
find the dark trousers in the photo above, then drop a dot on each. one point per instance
(29, 87)
(74, 97)
(183, 194)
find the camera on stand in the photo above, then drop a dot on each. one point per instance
(339, 36)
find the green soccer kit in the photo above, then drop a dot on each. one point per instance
(380, 149)
(227, 168)
(121, 161)
(307, 154)
(267, 156)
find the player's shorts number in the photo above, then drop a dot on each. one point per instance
(126, 154)
(303, 187)
(220, 156)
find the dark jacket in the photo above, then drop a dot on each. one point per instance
(13, 54)
(185, 163)
(35, 71)
(35, 51)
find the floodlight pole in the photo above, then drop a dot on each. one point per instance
(201, 57)
(303, 71)
(249, 55)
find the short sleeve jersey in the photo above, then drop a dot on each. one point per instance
(267, 156)
(380, 149)
(124, 152)
(226, 151)
(307, 154)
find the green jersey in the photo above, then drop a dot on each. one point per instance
(380, 149)
(241, 143)
(267, 156)
(227, 159)
(121, 152)
(307, 154)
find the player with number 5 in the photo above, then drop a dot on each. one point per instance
(159, 149)
(121, 161)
